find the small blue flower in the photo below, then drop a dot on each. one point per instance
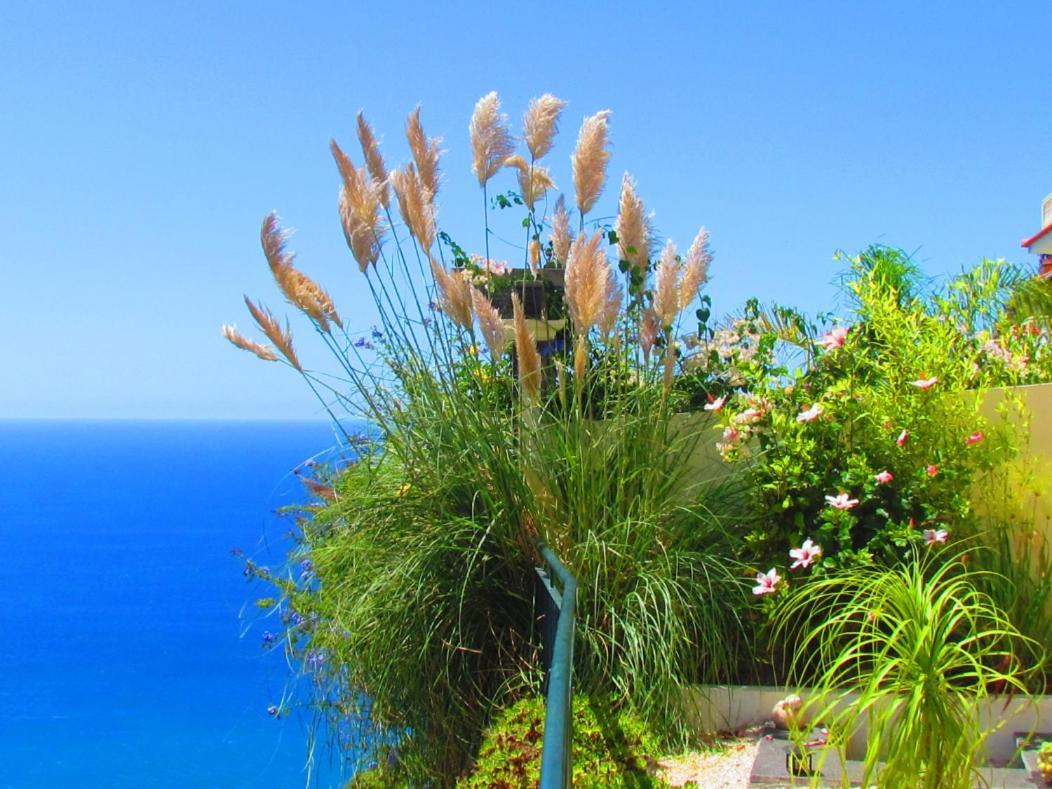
(361, 342)
(272, 710)
(268, 637)
(315, 658)
(377, 334)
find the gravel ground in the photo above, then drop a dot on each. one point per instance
(725, 769)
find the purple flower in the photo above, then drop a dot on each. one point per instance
(295, 618)
(272, 710)
(377, 334)
(268, 637)
(361, 342)
(315, 658)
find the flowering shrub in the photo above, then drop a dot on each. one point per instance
(873, 441)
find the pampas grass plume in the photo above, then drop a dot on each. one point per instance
(633, 227)
(526, 350)
(541, 124)
(374, 160)
(262, 351)
(696, 268)
(562, 235)
(455, 292)
(534, 180)
(589, 160)
(281, 337)
(490, 322)
(491, 143)
(666, 293)
(425, 152)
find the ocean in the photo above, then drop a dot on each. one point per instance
(131, 653)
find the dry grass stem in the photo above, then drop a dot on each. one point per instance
(491, 143)
(281, 338)
(425, 152)
(633, 227)
(415, 205)
(301, 291)
(264, 352)
(562, 235)
(541, 124)
(374, 160)
(589, 160)
(533, 181)
(526, 350)
(455, 294)
(587, 281)
(490, 322)
(695, 269)
(666, 293)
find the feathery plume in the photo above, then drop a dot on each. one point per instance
(541, 124)
(611, 307)
(666, 294)
(587, 281)
(300, 290)
(670, 365)
(455, 294)
(633, 227)
(535, 258)
(648, 332)
(425, 152)
(589, 161)
(374, 160)
(489, 322)
(491, 142)
(415, 204)
(533, 181)
(262, 351)
(526, 350)
(282, 338)
(562, 235)
(696, 268)
(360, 209)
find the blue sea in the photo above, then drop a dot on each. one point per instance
(127, 658)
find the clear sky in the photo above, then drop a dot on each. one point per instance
(141, 145)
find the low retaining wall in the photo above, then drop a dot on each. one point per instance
(718, 707)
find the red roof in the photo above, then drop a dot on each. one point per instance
(1036, 237)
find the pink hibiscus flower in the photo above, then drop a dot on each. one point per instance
(805, 554)
(884, 477)
(974, 438)
(932, 536)
(925, 383)
(904, 436)
(715, 405)
(809, 415)
(932, 470)
(834, 339)
(766, 582)
(842, 502)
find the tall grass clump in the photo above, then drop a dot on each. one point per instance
(497, 431)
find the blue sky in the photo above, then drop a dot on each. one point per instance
(141, 145)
